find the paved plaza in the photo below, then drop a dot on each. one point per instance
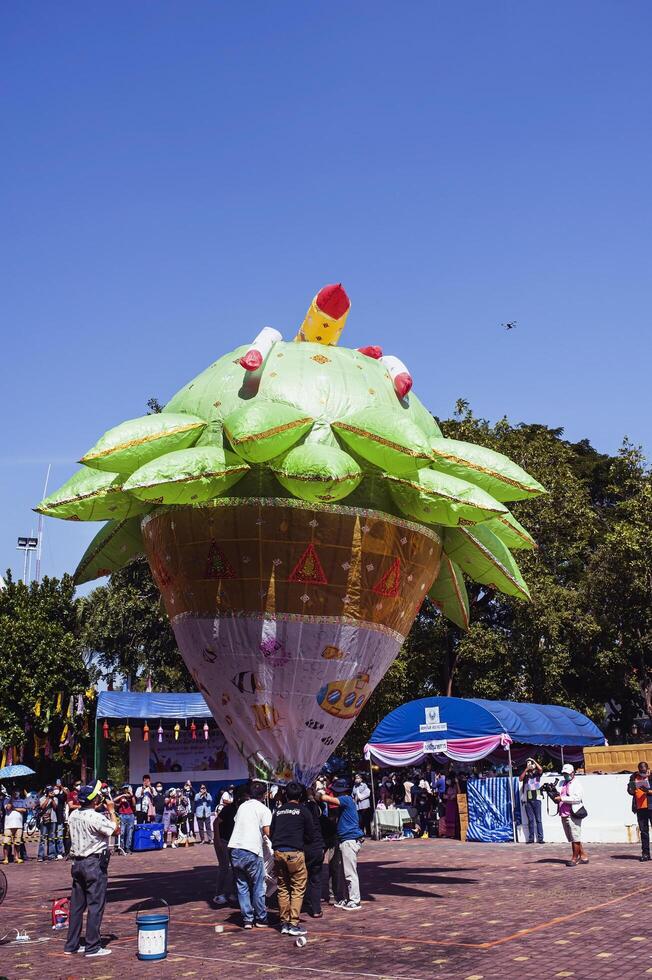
(431, 909)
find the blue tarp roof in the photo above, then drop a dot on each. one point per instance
(530, 724)
(135, 704)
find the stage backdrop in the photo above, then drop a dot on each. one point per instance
(210, 761)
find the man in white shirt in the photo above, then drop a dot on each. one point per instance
(362, 796)
(252, 820)
(13, 833)
(145, 795)
(90, 833)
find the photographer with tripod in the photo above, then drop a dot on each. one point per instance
(531, 793)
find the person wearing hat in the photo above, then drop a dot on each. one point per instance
(572, 812)
(350, 839)
(90, 833)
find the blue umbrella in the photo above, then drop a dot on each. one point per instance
(11, 772)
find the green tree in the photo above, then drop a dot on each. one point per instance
(619, 587)
(126, 626)
(41, 657)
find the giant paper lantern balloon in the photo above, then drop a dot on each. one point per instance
(294, 502)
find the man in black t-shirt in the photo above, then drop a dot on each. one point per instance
(222, 830)
(291, 830)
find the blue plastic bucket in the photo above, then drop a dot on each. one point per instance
(153, 933)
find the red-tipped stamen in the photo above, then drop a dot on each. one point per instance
(333, 301)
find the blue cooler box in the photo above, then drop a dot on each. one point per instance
(148, 837)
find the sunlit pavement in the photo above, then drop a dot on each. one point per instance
(430, 909)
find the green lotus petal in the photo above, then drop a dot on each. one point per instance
(449, 594)
(111, 548)
(316, 472)
(187, 476)
(510, 532)
(262, 430)
(492, 471)
(91, 495)
(128, 446)
(385, 438)
(438, 498)
(485, 559)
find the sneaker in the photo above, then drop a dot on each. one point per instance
(351, 906)
(59, 857)
(71, 952)
(296, 931)
(341, 904)
(248, 925)
(164, 846)
(19, 861)
(6, 861)
(220, 900)
(102, 951)
(262, 925)
(644, 857)
(174, 845)
(285, 928)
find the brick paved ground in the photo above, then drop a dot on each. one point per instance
(431, 909)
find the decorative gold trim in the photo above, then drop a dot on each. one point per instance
(462, 605)
(527, 537)
(373, 437)
(190, 479)
(139, 442)
(494, 561)
(364, 512)
(317, 479)
(94, 495)
(458, 461)
(445, 496)
(268, 432)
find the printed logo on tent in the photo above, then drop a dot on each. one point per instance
(308, 570)
(217, 564)
(389, 583)
(433, 724)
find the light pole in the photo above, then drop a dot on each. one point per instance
(28, 545)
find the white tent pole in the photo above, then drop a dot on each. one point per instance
(371, 781)
(511, 792)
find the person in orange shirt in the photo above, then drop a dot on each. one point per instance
(640, 789)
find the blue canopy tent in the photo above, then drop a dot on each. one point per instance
(465, 729)
(174, 752)
(140, 705)
(469, 729)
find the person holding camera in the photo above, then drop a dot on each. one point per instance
(126, 804)
(90, 833)
(572, 812)
(531, 795)
(640, 789)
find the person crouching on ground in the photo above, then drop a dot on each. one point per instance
(572, 812)
(252, 820)
(350, 840)
(640, 788)
(90, 833)
(291, 831)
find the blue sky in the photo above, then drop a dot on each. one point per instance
(176, 175)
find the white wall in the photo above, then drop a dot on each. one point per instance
(609, 807)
